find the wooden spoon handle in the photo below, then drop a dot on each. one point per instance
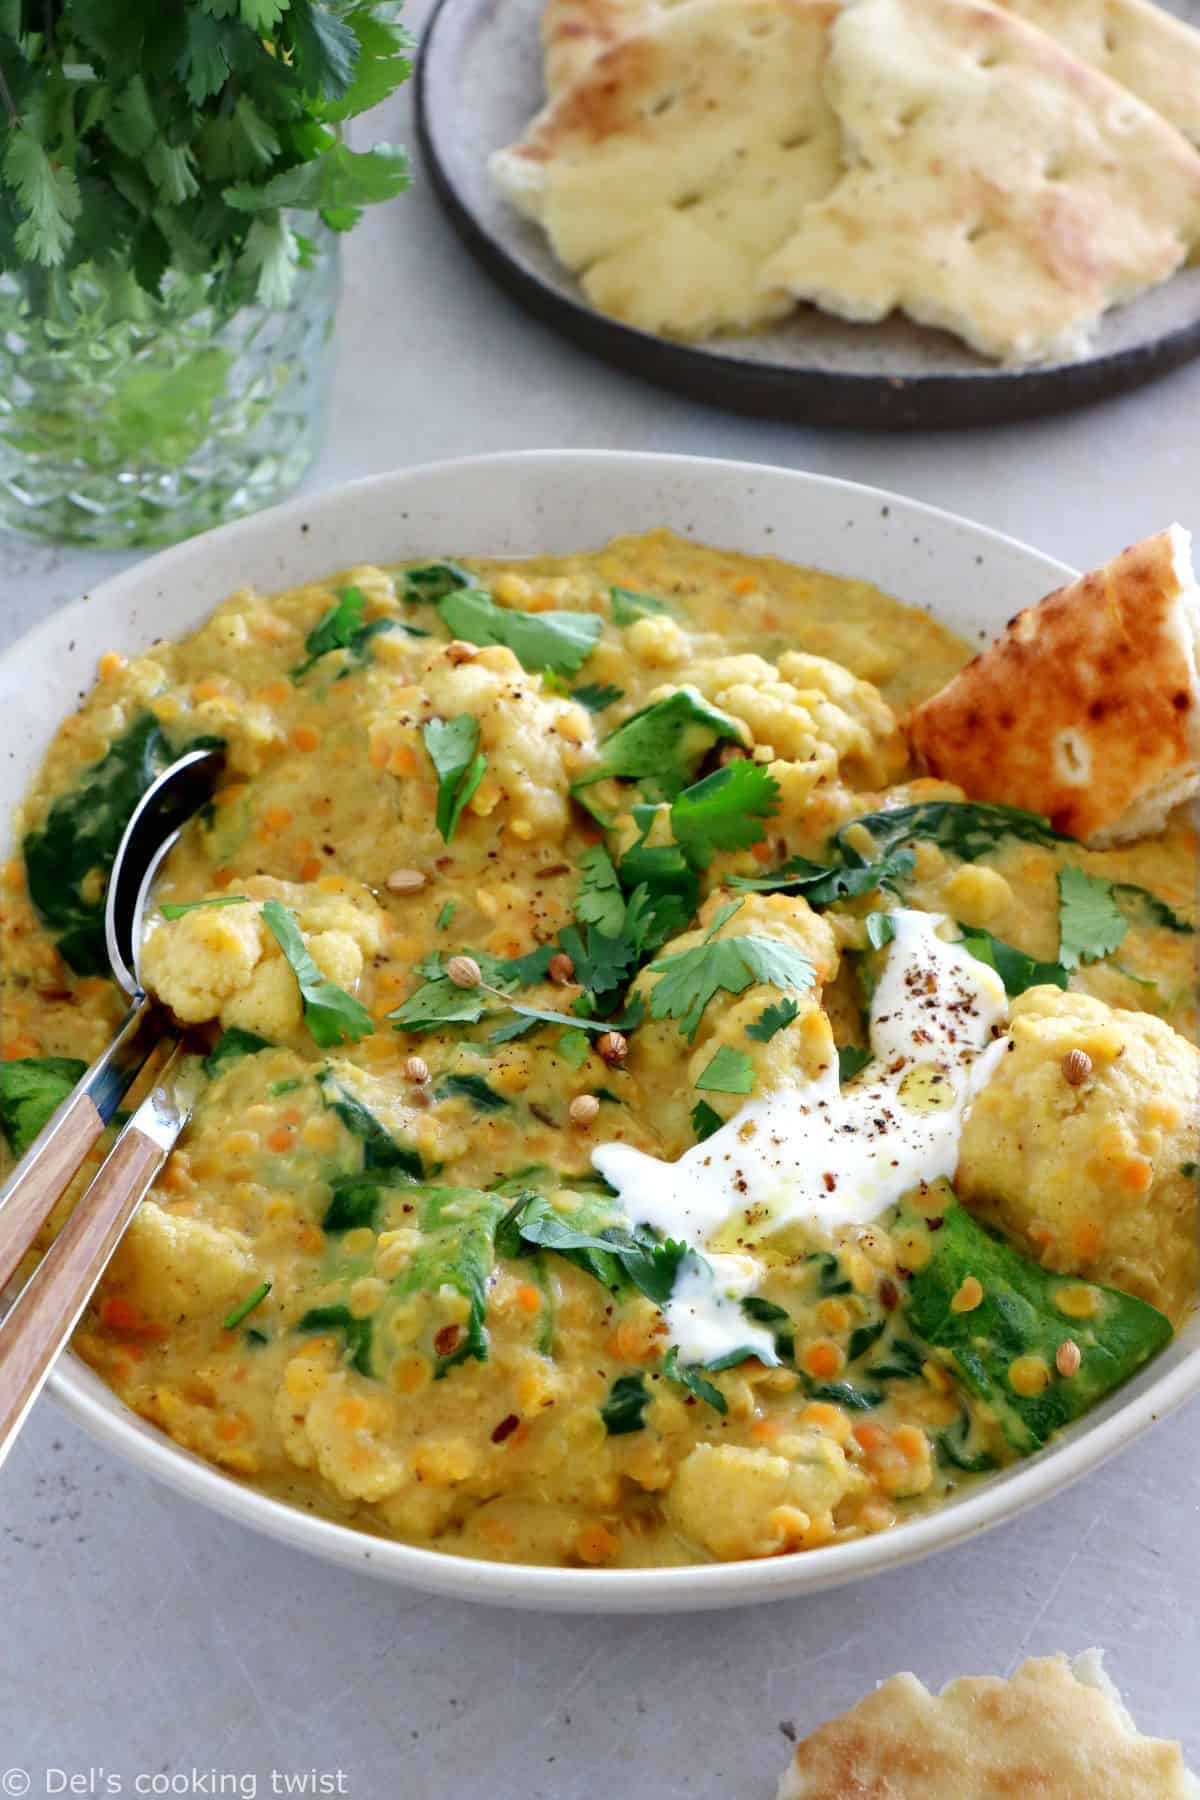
(48, 1307)
(58, 1152)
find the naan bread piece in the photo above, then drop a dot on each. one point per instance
(997, 187)
(576, 32)
(1087, 707)
(1149, 51)
(1056, 1728)
(681, 159)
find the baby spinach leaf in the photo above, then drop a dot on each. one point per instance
(343, 628)
(662, 745)
(473, 1088)
(705, 1120)
(953, 1447)
(823, 883)
(380, 1149)
(458, 1251)
(729, 1072)
(1019, 1316)
(356, 1333)
(724, 811)
(355, 1200)
(852, 1060)
(844, 1393)
(32, 1088)
(629, 606)
(230, 1047)
(627, 1401)
(453, 746)
(331, 1014)
(561, 641)
(1155, 909)
(772, 1020)
(79, 840)
(1090, 923)
(596, 1238)
(597, 696)
(966, 828)
(431, 582)
(1016, 970)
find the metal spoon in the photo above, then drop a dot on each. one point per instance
(48, 1307)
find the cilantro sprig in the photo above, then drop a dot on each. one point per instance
(331, 1014)
(661, 747)
(453, 746)
(559, 641)
(687, 980)
(343, 628)
(140, 139)
(1090, 923)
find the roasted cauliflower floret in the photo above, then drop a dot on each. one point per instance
(740, 1502)
(224, 963)
(805, 1047)
(813, 716)
(535, 744)
(174, 1268)
(1079, 1143)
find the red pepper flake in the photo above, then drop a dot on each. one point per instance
(446, 1340)
(830, 1181)
(505, 1428)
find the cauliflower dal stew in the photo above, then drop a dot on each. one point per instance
(643, 1121)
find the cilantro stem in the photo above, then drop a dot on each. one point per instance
(245, 1307)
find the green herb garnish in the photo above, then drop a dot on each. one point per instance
(724, 811)
(171, 909)
(852, 1060)
(600, 901)
(453, 746)
(1090, 923)
(705, 1120)
(823, 883)
(230, 1047)
(561, 641)
(966, 828)
(729, 1072)
(772, 1020)
(331, 1014)
(245, 1307)
(431, 582)
(690, 1377)
(1016, 970)
(688, 979)
(629, 606)
(627, 1401)
(597, 696)
(444, 917)
(356, 1333)
(473, 1088)
(662, 746)
(32, 1088)
(381, 1152)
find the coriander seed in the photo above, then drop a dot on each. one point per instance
(583, 1109)
(612, 1047)
(464, 971)
(1076, 1067)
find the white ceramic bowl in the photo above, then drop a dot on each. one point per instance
(515, 505)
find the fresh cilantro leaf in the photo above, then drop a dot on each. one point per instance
(439, 1002)
(688, 979)
(473, 1088)
(598, 1240)
(171, 909)
(561, 641)
(627, 1401)
(380, 66)
(445, 916)
(690, 1377)
(597, 696)
(881, 929)
(382, 1155)
(48, 195)
(823, 883)
(245, 1307)
(231, 1047)
(729, 1072)
(600, 901)
(32, 1088)
(524, 971)
(341, 628)
(628, 606)
(453, 746)
(356, 1333)
(705, 1120)
(331, 1014)
(336, 184)
(662, 745)
(457, 1250)
(324, 46)
(431, 582)
(771, 1020)
(724, 811)
(721, 917)
(852, 1060)
(572, 1046)
(1090, 923)
(604, 964)
(967, 828)
(355, 1201)
(1016, 970)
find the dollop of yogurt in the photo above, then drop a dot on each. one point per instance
(816, 1152)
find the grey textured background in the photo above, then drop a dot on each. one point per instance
(143, 1637)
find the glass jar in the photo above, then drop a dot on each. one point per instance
(128, 419)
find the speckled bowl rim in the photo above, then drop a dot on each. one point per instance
(543, 498)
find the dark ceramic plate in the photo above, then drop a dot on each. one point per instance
(479, 81)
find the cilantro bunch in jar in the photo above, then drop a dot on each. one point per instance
(174, 178)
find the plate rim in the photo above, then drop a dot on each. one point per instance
(693, 1587)
(803, 396)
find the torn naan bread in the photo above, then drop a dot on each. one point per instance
(1149, 51)
(998, 187)
(1056, 1729)
(1087, 708)
(681, 159)
(576, 32)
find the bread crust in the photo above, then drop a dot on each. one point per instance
(1087, 707)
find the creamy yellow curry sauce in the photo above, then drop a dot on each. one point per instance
(381, 1276)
